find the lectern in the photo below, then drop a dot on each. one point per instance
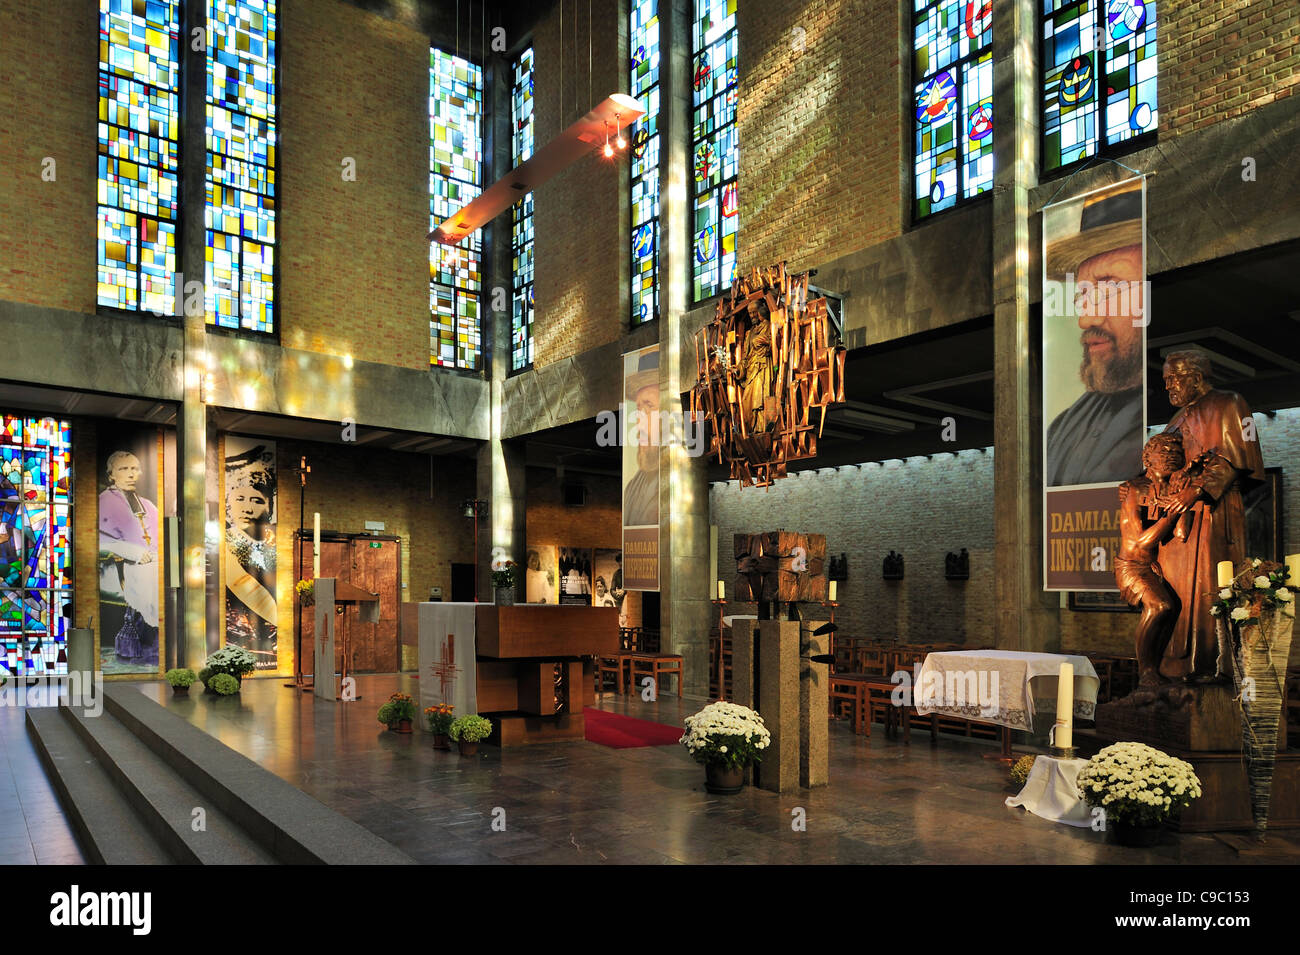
(332, 596)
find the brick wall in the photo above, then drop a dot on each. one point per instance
(48, 105)
(921, 508)
(819, 129)
(353, 255)
(1221, 58)
(581, 216)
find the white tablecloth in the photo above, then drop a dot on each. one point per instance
(1004, 687)
(1051, 792)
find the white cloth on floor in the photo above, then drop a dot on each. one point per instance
(1051, 791)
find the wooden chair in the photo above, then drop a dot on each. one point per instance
(615, 664)
(656, 665)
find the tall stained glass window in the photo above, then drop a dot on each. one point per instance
(521, 240)
(953, 109)
(35, 543)
(644, 44)
(139, 153)
(455, 163)
(241, 137)
(714, 156)
(1099, 76)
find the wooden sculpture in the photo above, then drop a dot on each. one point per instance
(780, 565)
(763, 364)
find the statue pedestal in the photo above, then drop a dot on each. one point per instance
(1202, 725)
(790, 693)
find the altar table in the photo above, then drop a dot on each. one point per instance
(1025, 682)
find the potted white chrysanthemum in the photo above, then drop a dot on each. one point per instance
(726, 738)
(1138, 787)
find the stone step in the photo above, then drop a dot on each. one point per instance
(292, 826)
(163, 799)
(110, 831)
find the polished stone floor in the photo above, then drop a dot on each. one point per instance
(581, 803)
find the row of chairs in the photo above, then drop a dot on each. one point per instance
(638, 656)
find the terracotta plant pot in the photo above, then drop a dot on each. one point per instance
(441, 741)
(180, 691)
(467, 748)
(724, 780)
(403, 726)
(1137, 836)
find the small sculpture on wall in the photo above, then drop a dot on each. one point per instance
(838, 568)
(893, 566)
(957, 566)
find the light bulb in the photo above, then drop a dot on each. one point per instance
(609, 150)
(621, 143)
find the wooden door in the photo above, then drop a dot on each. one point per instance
(376, 567)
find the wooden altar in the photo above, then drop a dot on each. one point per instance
(533, 666)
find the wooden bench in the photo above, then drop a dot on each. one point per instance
(656, 665)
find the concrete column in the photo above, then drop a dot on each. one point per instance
(1027, 618)
(684, 487)
(192, 453)
(501, 475)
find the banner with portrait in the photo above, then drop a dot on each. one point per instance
(575, 576)
(1095, 317)
(248, 552)
(541, 575)
(607, 586)
(130, 547)
(640, 440)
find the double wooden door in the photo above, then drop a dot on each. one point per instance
(374, 564)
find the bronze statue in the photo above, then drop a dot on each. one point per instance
(1146, 521)
(1218, 438)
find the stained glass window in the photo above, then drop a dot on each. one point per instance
(953, 109)
(1099, 76)
(139, 153)
(241, 140)
(715, 159)
(455, 161)
(644, 44)
(35, 543)
(521, 241)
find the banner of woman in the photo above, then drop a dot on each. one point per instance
(130, 535)
(248, 553)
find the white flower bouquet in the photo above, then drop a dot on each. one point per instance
(726, 734)
(1260, 585)
(1137, 784)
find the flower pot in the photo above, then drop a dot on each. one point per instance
(441, 741)
(505, 596)
(180, 691)
(724, 780)
(403, 726)
(1137, 836)
(468, 748)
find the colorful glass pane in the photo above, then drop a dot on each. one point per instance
(521, 234)
(455, 163)
(1099, 76)
(714, 148)
(241, 140)
(953, 108)
(138, 190)
(643, 20)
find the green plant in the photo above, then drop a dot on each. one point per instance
(386, 714)
(506, 576)
(205, 675)
(231, 659)
(400, 706)
(439, 717)
(1020, 769)
(181, 677)
(224, 684)
(306, 591)
(726, 734)
(1138, 784)
(470, 729)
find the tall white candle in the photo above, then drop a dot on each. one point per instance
(1293, 565)
(1065, 706)
(832, 592)
(315, 541)
(722, 591)
(1225, 573)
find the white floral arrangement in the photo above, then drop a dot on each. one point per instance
(726, 734)
(1138, 784)
(1259, 585)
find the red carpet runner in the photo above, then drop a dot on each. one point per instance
(626, 732)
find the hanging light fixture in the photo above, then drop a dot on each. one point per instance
(621, 141)
(608, 150)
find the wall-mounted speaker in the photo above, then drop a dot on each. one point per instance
(575, 495)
